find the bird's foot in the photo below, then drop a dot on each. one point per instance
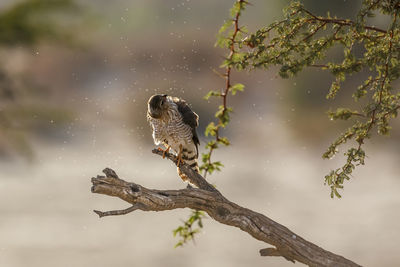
(179, 160)
(164, 151)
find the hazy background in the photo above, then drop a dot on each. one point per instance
(74, 104)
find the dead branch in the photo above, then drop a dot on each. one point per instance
(207, 198)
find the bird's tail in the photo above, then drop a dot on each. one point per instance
(190, 158)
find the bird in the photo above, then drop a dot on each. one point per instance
(174, 126)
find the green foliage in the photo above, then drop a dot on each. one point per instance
(29, 22)
(187, 231)
(223, 115)
(343, 114)
(211, 93)
(335, 179)
(303, 40)
(229, 37)
(237, 87)
(211, 129)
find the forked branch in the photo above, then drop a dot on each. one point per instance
(207, 198)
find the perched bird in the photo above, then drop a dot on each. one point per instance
(174, 126)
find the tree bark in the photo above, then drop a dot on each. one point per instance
(207, 198)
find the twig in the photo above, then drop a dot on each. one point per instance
(343, 22)
(227, 77)
(116, 212)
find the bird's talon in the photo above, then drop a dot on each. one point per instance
(179, 155)
(165, 152)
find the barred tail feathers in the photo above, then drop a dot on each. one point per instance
(190, 158)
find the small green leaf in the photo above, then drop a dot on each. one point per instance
(336, 193)
(237, 87)
(187, 231)
(225, 26)
(224, 141)
(211, 93)
(211, 129)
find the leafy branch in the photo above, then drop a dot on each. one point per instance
(303, 39)
(229, 37)
(187, 231)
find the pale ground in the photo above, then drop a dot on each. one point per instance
(47, 219)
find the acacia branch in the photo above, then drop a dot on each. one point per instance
(343, 22)
(206, 198)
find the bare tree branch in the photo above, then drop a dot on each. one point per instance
(207, 198)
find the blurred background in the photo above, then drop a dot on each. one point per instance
(75, 76)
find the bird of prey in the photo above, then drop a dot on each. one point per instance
(174, 126)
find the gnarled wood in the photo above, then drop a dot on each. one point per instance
(207, 198)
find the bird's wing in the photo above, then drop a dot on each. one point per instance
(190, 118)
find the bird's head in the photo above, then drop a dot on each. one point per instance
(157, 105)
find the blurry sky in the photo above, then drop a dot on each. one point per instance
(85, 106)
